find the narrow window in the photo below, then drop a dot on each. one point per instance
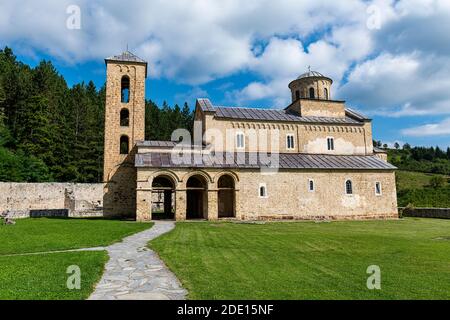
(311, 186)
(125, 89)
(378, 188)
(312, 94)
(330, 142)
(124, 145)
(124, 118)
(290, 142)
(348, 187)
(325, 93)
(262, 191)
(240, 140)
(297, 95)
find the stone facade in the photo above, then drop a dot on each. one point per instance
(80, 200)
(119, 172)
(288, 196)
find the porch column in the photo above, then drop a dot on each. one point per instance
(213, 211)
(143, 205)
(237, 204)
(180, 205)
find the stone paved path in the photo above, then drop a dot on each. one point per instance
(134, 272)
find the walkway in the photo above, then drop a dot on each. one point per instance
(134, 272)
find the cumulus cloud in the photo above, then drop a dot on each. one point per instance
(435, 129)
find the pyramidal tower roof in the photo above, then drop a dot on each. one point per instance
(127, 56)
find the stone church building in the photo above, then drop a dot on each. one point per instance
(313, 159)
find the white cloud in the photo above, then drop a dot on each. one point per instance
(436, 129)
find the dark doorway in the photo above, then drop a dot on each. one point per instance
(163, 200)
(226, 196)
(197, 200)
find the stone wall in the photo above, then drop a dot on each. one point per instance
(79, 200)
(436, 213)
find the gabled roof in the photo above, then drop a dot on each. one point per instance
(257, 114)
(249, 160)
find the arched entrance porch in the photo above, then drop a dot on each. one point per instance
(226, 197)
(197, 198)
(163, 200)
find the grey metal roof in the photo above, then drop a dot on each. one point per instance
(378, 150)
(164, 144)
(275, 115)
(205, 105)
(126, 56)
(256, 161)
(259, 114)
(310, 74)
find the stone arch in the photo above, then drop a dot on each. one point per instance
(226, 196)
(163, 202)
(197, 172)
(197, 196)
(225, 172)
(172, 175)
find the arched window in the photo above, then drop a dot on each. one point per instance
(124, 145)
(312, 94)
(297, 95)
(262, 190)
(125, 89)
(348, 187)
(325, 93)
(124, 118)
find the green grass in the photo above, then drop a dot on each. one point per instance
(309, 260)
(40, 235)
(43, 276)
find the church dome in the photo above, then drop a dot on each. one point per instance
(311, 85)
(311, 74)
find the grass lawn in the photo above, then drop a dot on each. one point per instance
(39, 235)
(44, 276)
(308, 260)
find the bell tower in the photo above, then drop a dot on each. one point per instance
(124, 126)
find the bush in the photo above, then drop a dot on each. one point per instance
(437, 182)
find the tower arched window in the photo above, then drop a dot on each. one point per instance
(125, 89)
(325, 93)
(124, 118)
(348, 187)
(124, 145)
(297, 95)
(312, 94)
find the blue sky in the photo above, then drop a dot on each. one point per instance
(388, 59)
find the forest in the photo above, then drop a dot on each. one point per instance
(50, 132)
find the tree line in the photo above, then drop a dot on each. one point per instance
(51, 132)
(421, 159)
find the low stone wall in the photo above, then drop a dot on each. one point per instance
(22, 200)
(437, 213)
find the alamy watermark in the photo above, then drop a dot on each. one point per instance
(74, 280)
(374, 280)
(73, 21)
